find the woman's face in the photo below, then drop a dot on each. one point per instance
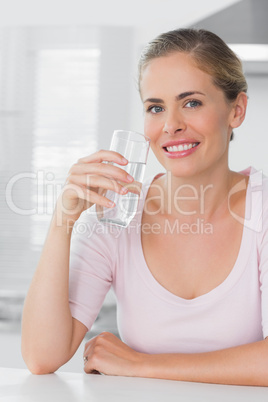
(186, 116)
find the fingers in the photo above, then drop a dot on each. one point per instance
(109, 355)
(92, 164)
(134, 187)
(94, 188)
(97, 352)
(104, 156)
(85, 194)
(101, 169)
(91, 359)
(89, 180)
(94, 181)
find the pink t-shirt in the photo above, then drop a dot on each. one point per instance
(150, 318)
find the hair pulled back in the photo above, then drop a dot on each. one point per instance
(210, 53)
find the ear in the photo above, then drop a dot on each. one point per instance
(239, 110)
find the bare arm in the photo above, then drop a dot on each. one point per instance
(50, 336)
(47, 325)
(240, 365)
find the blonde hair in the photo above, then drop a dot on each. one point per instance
(210, 53)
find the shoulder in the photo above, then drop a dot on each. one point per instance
(258, 187)
(257, 183)
(257, 201)
(90, 235)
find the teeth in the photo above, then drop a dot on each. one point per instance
(181, 147)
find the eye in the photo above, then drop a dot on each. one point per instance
(155, 109)
(193, 104)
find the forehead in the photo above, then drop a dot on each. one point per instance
(177, 71)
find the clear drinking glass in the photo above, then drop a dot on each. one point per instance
(134, 147)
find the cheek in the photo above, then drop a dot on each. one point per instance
(151, 128)
(216, 127)
(213, 124)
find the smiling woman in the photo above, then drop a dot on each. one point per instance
(200, 113)
(208, 51)
(191, 303)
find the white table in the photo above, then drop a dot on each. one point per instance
(18, 385)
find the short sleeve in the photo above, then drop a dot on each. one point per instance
(263, 263)
(92, 255)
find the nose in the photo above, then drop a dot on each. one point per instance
(174, 123)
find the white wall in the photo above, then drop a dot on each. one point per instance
(249, 147)
(148, 13)
(147, 18)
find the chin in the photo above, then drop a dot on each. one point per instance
(180, 168)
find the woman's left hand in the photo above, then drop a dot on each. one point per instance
(109, 355)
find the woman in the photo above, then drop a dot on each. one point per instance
(190, 274)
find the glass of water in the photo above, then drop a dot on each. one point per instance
(134, 147)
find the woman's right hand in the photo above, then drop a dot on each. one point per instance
(83, 184)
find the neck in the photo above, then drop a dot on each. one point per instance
(198, 196)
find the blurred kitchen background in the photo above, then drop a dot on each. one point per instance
(67, 80)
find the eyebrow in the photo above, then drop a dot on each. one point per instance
(178, 97)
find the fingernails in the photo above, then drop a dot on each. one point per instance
(130, 178)
(110, 204)
(124, 160)
(124, 190)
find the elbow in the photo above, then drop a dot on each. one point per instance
(38, 369)
(37, 366)
(39, 360)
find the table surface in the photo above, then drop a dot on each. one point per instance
(18, 385)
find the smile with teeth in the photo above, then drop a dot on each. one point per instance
(181, 147)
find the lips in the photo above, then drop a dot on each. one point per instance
(178, 149)
(181, 147)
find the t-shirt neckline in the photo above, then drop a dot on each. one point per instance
(214, 294)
